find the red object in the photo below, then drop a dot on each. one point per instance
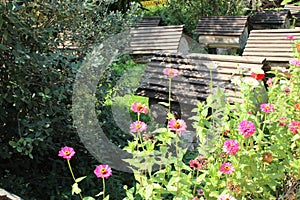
(257, 76)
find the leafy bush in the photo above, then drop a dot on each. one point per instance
(42, 46)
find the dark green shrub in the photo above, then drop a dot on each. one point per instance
(42, 46)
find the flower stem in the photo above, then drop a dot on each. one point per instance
(141, 140)
(170, 85)
(194, 190)
(69, 164)
(177, 153)
(103, 182)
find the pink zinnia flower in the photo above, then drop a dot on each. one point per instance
(247, 128)
(195, 164)
(258, 74)
(231, 147)
(282, 121)
(287, 90)
(226, 168)
(103, 171)
(226, 197)
(270, 82)
(289, 37)
(177, 125)
(139, 108)
(295, 62)
(200, 192)
(138, 126)
(294, 127)
(66, 152)
(171, 72)
(267, 107)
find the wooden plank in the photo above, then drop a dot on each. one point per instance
(171, 32)
(284, 50)
(275, 31)
(195, 65)
(197, 71)
(266, 45)
(270, 42)
(293, 8)
(206, 57)
(155, 37)
(278, 38)
(154, 44)
(166, 41)
(266, 54)
(216, 31)
(156, 47)
(158, 28)
(272, 58)
(150, 51)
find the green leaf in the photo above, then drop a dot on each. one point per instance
(88, 198)
(160, 130)
(47, 91)
(80, 179)
(12, 143)
(99, 194)
(19, 149)
(164, 104)
(296, 137)
(75, 189)
(106, 198)
(3, 47)
(149, 190)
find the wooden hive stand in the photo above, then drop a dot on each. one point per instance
(223, 32)
(273, 45)
(199, 76)
(295, 11)
(270, 19)
(145, 41)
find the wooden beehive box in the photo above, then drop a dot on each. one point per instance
(270, 19)
(273, 45)
(145, 41)
(295, 11)
(199, 76)
(223, 31)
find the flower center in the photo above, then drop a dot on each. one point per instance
(103, 171)
(140, 107)
(227, 168)
(67, 153)
(196, 165)
(177, 125)
(138, 126)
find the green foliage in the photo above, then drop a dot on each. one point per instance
(42, 46)
(188, 12)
